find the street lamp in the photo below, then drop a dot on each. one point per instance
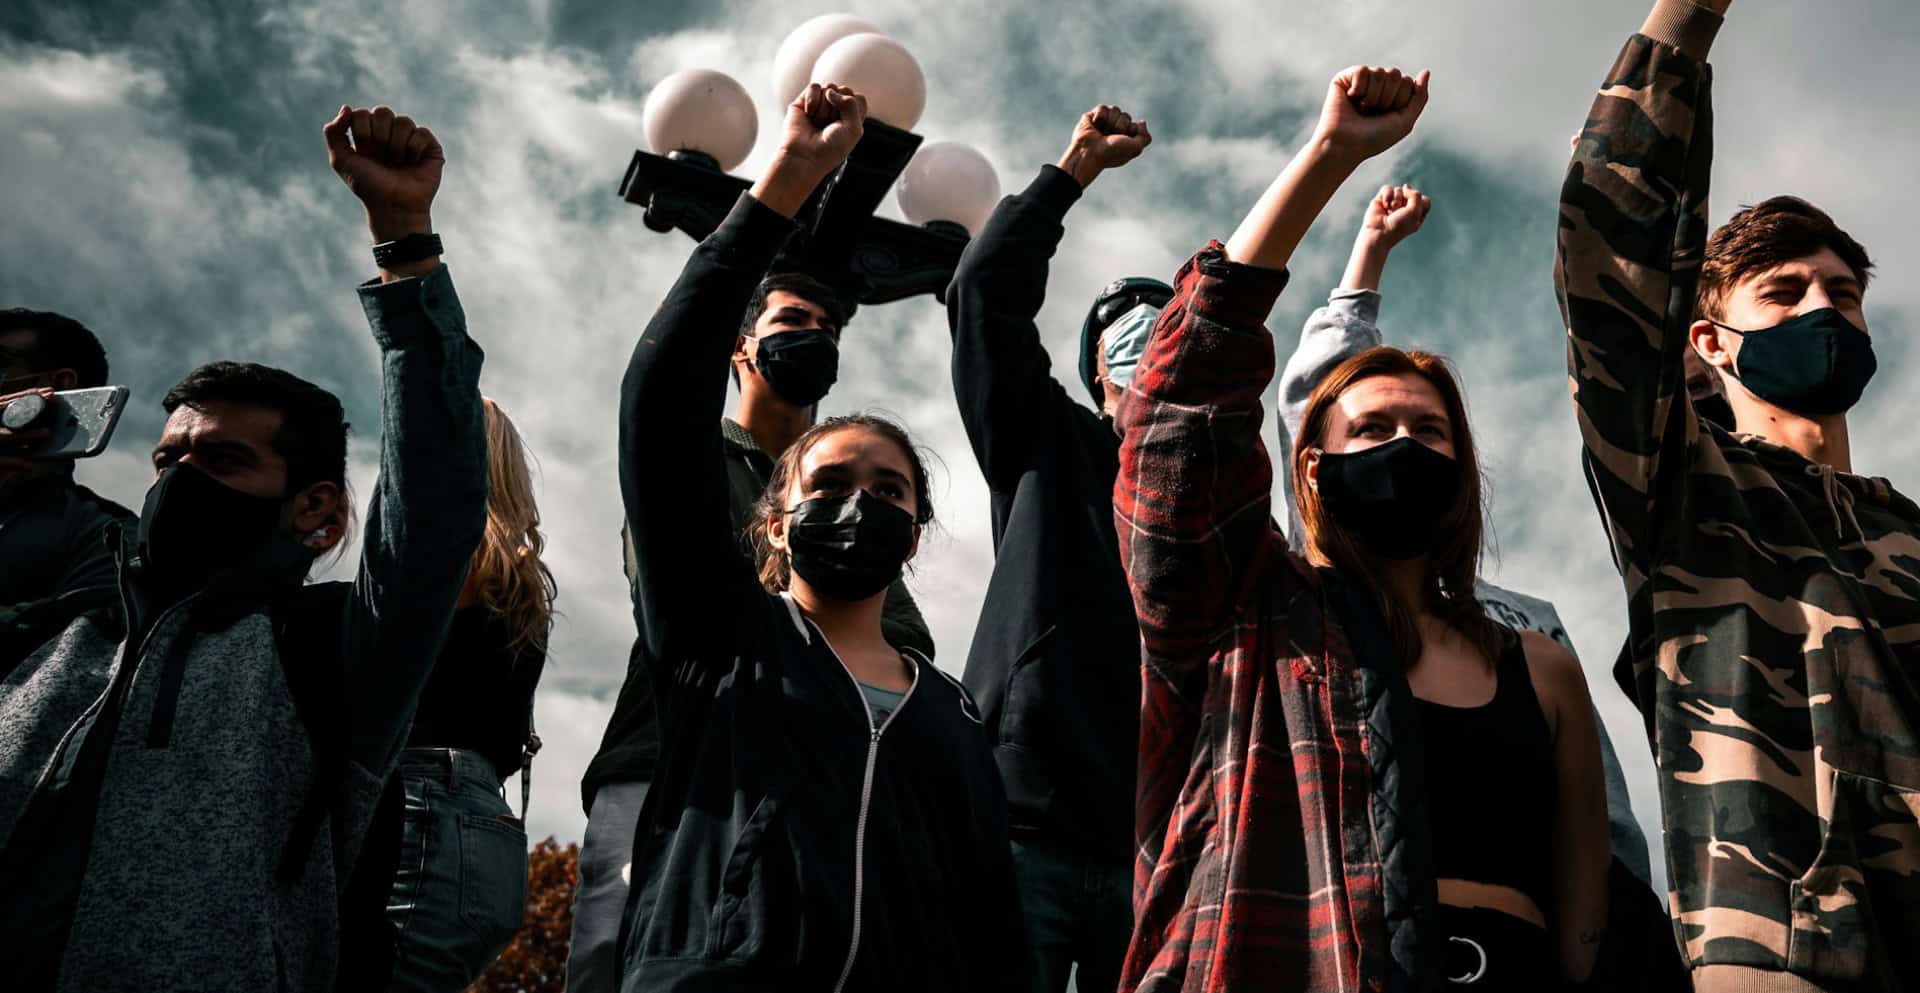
(793, 64)
(700, 123)
(699, 112)
(880, 69)
(949, 183)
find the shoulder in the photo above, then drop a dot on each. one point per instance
(1557, 677)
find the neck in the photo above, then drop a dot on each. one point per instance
(773, 422)
(1823, 439)
(846, 624)
(1407, 581)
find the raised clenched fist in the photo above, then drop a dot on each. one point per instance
(392, 164)
(1105, 137)
(1396, 212)
(822, 125)
(1370, 108)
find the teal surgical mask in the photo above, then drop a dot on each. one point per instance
(1125, 340)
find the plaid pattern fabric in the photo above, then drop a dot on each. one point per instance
(1258, 867)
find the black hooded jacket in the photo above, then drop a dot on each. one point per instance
(786, 843)
(1055, 661)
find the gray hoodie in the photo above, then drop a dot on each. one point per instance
(207, 762)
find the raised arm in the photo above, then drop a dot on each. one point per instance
(429, 507)
(1633, 225)
(1347, 325)
(1193, 497)
(686, 557)
(1000, 370)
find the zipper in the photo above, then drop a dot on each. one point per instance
(132, 653)
(866, 797)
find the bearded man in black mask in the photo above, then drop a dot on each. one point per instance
(786, 358)
(186, 774)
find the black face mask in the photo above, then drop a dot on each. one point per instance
(1814, 364)
(801, 365)
(1390, 497)
(194, 526)
(849, 548)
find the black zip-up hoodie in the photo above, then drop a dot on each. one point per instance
(786, 843)
(1055, 661)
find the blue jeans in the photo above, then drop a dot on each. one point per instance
(1078, 910)
(606, 857)
(461, 888)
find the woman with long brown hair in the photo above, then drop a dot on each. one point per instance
(459, 888)
(1350, 777)
(1388, 486)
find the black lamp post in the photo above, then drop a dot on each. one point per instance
(871, 259)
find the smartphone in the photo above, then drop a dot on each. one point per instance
(79, 422)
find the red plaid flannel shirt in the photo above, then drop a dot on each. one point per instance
(1257, 863)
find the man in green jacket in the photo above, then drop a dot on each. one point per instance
(1773, 595)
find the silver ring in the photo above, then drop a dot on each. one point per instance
(1481, 970)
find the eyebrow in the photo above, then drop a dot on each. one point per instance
(885, 472)
(238, 451)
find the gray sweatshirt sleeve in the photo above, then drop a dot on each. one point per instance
(1345, 327)
(428, 511)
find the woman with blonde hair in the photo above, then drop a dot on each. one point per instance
(460, 885)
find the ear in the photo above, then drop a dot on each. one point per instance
(743, 355)
(913, 549)
(1707, 342)
(777, 531)
(64, 379)
(1313, 469)
(319, 516)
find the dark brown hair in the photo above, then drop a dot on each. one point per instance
(1767, 234)
(1455, 563)
(774, 570)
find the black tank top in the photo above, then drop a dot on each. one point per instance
(1492, 793)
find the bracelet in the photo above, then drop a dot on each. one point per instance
(412, 248)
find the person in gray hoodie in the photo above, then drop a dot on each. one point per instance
(186, 773)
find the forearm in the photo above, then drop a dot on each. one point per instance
(686, 556)
(1367, 262)
(787, 183)
(1192, 498)
(675, 387)
(1270, 232)
(1633, 227)
(393, 225)
(1000, 369)
(428, 509)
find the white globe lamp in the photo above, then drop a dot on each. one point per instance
(702, 111)
(949, 182)
(793, 63)
(880, 69)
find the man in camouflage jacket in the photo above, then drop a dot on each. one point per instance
(1773, 596)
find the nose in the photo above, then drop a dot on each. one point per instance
(1815, 299)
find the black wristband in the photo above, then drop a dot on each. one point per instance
(412, 248)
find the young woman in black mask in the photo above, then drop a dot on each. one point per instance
(826, 814)
(1388, 486)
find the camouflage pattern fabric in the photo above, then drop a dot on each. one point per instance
(1774, 603)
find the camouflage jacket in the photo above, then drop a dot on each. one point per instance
(1774, 604)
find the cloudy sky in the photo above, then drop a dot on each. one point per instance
(165, 182)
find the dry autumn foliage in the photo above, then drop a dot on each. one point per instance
(536, 961)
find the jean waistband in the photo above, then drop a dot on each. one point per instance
(451, 766)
